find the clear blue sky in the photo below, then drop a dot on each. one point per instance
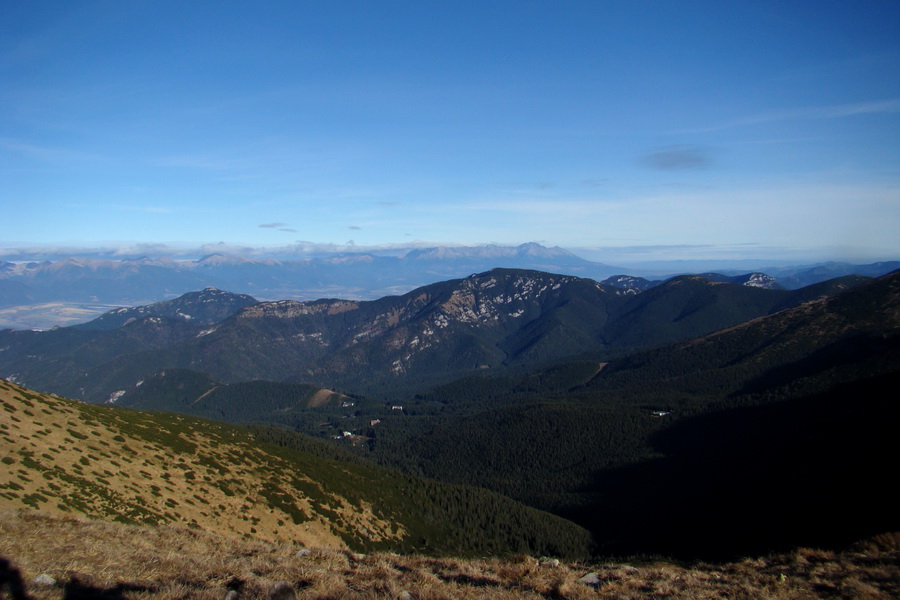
(661, 129)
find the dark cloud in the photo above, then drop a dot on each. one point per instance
(289, 230)
(676, 158)
(273, 225)
(355, 227)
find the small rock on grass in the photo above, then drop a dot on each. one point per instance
(43, 579)
(282, 591)
(550, 562)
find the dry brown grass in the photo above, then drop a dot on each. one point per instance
(110, 560)
(69, 458)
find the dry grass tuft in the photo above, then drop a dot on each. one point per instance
(101, 559)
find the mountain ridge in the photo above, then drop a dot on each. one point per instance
(490, 320)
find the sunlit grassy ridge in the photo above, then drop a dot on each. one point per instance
(65, 457)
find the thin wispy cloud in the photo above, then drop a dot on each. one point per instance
(537, 208)
(46, 154)
(279, 226)
(676, 158)
(833, 111)
(259, 160)
(861, 214)
(160, 210)
(123, 250)
(862, 108)
(203, 161)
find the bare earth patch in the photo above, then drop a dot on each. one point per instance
(322, 397)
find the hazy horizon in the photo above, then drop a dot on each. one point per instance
(653, 260)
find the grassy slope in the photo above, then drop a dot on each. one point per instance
(94, 559)
(63, 457)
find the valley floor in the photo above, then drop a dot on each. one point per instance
(56, 558)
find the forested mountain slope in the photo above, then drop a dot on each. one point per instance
(744, 440)
(493, 320)
(65, 457)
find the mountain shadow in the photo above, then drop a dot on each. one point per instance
(815, 471)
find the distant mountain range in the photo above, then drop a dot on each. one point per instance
(31, 292)
(494, 320)
(348, 275)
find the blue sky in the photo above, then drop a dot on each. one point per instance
(634, 130)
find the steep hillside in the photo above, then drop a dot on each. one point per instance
(64, 457)
(688, 306)
(817, 344)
